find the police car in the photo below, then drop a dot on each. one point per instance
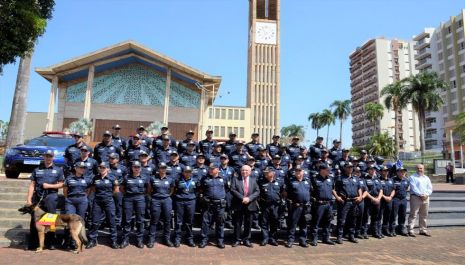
(26, 157)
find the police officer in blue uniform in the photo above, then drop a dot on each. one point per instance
(158, 142)
(188, 158)
(161, 189)
(285, 158)
(213, 197)
(106, 147)
(215, 157)
(372, 199)
(185, 200)
(162, 153)
(118, 171)
(322, 207)
(45, 182)
(227, 173)
(182, 146)
(271, 194)
(90, 163)
(207, 145)
(132, 153)
(363, 161)
(280, 172)
(386, 201)
(133, 187)
(199, 170)
(273, 147)
(230, 145)
(262, 160)
(73, 152)
(174, 168)
(294, 148)
(117, 139)
(347, 193)
(147, 171)
(335, 153)
(399, 203)
(75, 191)
(252, 146)
(315, 150)
(238, 157)
(145, 139)
(298, 195)
(104, 185)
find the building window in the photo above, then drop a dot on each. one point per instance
(229, 130)
(236, 130)
(223, 131)
(210, 113)
(462, 45)
(453, 84)
(223, 114)
(463, 68)
(230, 114)
(236, 114)
(215, 131)
(448, 30)
(217, 113)
(242, 115)
(241, 132)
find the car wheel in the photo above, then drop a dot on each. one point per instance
(12, 174)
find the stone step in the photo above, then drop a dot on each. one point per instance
(18, 222)
(451, 193)
(436, 202)
(445, 213)
(7, 189)
(7, 204)
(15, 183)
(13, 196)
(12, 213)
(446, 222)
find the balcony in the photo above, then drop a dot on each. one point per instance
(425, 54)
(421, 44)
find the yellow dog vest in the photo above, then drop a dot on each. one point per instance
(48, 219)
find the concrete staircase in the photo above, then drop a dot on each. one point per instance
(13, 225)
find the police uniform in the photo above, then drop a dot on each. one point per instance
(272, 149)
(227, 173)
(48, 197)
(298, 194)
(76, 200)
(374, 188)
(346, 187)
(399, 206)
(215, 159)
(174, 170)
(270, 202)
(262, 162)
(206, 147)
(285, 159)
(118, 171)
(132, 153)
(315, 151)
(253, 147)
(237, 159)
(214, 204)
(161, 206)
(162, 154)
(386, 206)
(185, 201)
(182, 146)
(188, 158)
(104, 206)
(72, 153)
(229, 147)
(133, 201)
(335, 153)
(360, 212)
(322, 207)
(294, 151)
(119, 142)
(91, 166)
(102, 151)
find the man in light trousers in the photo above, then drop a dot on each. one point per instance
(420, 191)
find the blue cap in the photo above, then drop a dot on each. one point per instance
(136, 164)
(162, 165)
(80, 164)
(187, 169)
(104, 164)
(49, 152)
(323, 166)
(113, 155)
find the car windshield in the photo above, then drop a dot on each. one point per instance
(51, 141)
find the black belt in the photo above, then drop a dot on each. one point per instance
(350, 199)
(324, 201)
(76, 196)
(160, 198)
(300, 204)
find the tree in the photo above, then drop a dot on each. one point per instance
(293, 130)
(381, 144)
(460, 126)
(422, 91)
(3, 129)
(373, 113)
(393, 101)
(21, 23)
(327, 119)
(342, 110)
(315, 119)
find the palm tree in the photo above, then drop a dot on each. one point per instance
(18, 109)
(392, 101)
(422, 91)
(342, 110)
(381, 144)
(327, 119)
(373, 113)
(315, 119)
(293, 130)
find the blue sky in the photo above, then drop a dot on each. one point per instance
(316, 38)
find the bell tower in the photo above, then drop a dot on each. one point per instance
(263, 68)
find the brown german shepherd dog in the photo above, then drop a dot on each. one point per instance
(73, 222)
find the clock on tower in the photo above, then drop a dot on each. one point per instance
(263, 83)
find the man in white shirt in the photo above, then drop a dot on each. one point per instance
(420, 191)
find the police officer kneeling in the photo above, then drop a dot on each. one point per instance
(213, 192)
(322, 210)
(298, 193)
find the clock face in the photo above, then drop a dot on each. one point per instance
(265, 33)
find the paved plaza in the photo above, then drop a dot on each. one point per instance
(445, 247)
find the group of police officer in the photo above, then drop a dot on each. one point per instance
(136, 183)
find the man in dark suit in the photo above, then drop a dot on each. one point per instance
(245, 192)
